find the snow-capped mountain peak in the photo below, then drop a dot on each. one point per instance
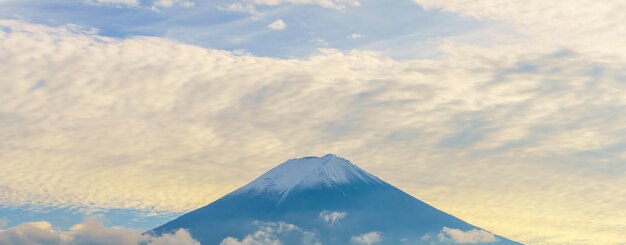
(299, 192)
(309, 172)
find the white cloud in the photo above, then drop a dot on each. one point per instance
(271, 233)
(332, 217)
(164, 3)
(171, 3)
(356, 36)
(30, 233)
(180, 237)
(250, 6)
(119, 3)
(241, 7)
(277, 25)
(583, 25)
(332, 4)
(156, 4)
(91, 232)
(540, 126)
(369, 238)
(465, 237)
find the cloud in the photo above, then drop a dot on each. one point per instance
(180, 237)
(241, 7)
(355, 36)
(91, 232)
(275, 233)
(155, 5)
(118, 3)
(83, 117)
(171, 3)
(332, 4)
(583, 25)
(332, 217)
(250, 6)
(367, 238)
(277, 25)
(30, 233)
(465, 237)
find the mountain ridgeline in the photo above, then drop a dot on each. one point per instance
(324, 200)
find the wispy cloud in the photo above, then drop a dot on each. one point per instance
(241, 7)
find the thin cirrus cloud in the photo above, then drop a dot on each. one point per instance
(89, 232)
(538, 121)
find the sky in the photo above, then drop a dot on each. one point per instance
(118, 115)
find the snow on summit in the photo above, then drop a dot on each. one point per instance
(306, 172)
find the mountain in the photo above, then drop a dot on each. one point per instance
(324, 200)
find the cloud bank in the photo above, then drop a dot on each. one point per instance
(91, 232)
(94, 122)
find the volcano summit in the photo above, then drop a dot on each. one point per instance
(324, 200)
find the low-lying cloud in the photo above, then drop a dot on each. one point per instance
(91, 232)
(472, 236)
(369, 238)
(275, 233)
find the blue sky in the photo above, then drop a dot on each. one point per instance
(374, 25)
(506, 114)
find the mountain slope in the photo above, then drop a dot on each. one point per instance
(333, 200)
